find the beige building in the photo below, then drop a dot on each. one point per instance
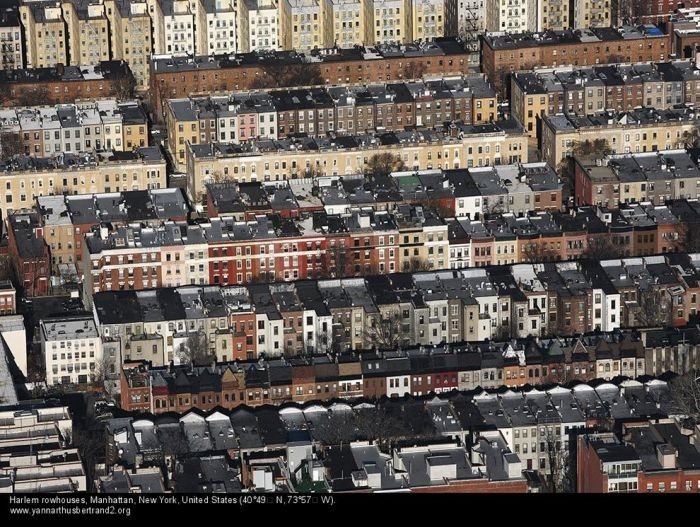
(528, 101)
(46, 35)
(80, 174)
(352, 22)
(157, 25)
(592, 13)
(311, 24)
(88, 32)
(131, 36)
(393, 21)
(183, 128)
(290, 159)
(423, 243)
(429, 18)
(59, 233)
(555, 14)
(644, 130)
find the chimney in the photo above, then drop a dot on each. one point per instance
(666, 455)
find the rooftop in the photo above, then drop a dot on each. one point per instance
(68, 328)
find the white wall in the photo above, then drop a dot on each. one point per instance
(12, 330)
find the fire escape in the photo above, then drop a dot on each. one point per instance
(470, 27)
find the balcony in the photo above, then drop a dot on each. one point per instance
(620, 475)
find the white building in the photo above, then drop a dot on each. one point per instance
(270, 334)
(112, 124)
(179, 24)
(72, 349)
(260, 25)
(35, 451)
(486, 296)
(14, 334)
(220, 27)
(514, 16)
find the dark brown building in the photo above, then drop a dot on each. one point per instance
(29, 252)
(183, 77)
(504, 54)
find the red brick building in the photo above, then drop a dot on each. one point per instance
(29, 252)
(176, 78)
(135, 382)
(65, 84)
(653, 456)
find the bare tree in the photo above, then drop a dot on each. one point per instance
(341, 427)
(5, 98)
(439, 207)
(37, 378)
(172, 446)
(416, 264)
(383, 164)
(414, 70)
(685, 395)
(691, 137)
(338, 262)
(342, 340)
(196, 350)
(597, 147)
(539, 252)
(653, 308)
(501, 77)
(89, 439)
(557, 473)
(10, 145)
(324, 342)
(124, 85)
(288, 75)
(600, 248)
(684, 239)
(565, 171)
(99, 375)
(493, 208)
(385, 333)
(5, 268)
(36, 96)
(376, 424)
(560, 374)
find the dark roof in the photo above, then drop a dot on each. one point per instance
(610, 453)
